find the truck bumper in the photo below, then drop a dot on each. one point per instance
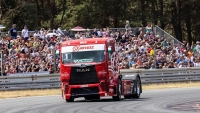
(85, 90)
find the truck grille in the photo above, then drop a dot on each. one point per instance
(86, 90)
(86, 75)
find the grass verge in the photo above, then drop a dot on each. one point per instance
(27, 93)
(45, 92)
(170, 85)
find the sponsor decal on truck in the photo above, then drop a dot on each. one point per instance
(78, 48)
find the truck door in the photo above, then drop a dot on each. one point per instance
(113, 57)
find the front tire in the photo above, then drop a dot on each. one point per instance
(96, 97)
(118, 91)
(137, 88)
(70, 100)
(88, 98)
(127, 97)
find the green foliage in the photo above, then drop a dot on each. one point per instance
(15, 16)
(181, 16)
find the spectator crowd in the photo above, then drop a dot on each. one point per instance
(141, 49)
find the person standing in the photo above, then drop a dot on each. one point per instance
(198, 48)
(13, 32)
(127, 26)
(149, 28)
(25, 34)
(59, 31)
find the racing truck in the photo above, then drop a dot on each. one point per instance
(90, 68)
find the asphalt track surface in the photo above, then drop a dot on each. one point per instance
(151, 101)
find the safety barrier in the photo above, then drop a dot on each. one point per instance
(29, 82)
(166, 75)
(47, 81)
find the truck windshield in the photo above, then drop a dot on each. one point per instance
(83, 56)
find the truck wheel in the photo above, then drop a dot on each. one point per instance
(88, 98)
(70, 100)
(96, 97)
(118, 91)
(137, 88)
(127, 97)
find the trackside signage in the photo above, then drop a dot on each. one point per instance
(77, 48)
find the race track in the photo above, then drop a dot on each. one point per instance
(151, 101)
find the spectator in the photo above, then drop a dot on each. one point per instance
(100, 33)
(77, 35)
(94, 33)
(25, 34)
(36, 34)
(139, 32)
(149, 28)
(118, 37)
(37, 52)
(59, 31)
(87, 33)
(171, 65)
(13, 32)
(127, 26)
(165, 65)
(123, 41)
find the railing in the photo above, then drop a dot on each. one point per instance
(170, 38)
(47, 81)
(42, 80)
(166, 75)
(157, 31)
(134, 30)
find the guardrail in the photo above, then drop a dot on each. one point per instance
(166, 75)
(47, 81)
(29, 82)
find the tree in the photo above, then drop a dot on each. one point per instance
(15, 16)
(181, 17)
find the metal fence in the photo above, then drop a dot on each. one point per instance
(157, 31)
(170, 38)
(134, 30)
(40, 80)
(48, 81)
(167, 75)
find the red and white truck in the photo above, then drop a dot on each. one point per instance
(89, 68)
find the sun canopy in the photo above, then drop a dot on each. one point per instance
(78, 28)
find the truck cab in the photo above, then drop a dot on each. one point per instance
(89, 68)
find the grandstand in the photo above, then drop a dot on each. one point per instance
(138, 48)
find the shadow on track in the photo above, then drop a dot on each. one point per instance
(111, 100)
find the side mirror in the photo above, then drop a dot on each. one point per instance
(57, 52)
(109, 49)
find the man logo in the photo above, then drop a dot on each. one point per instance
(83, 70)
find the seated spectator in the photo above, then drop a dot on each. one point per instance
(123, 40)
(21, 68)
(165, 65)
(139, 51)
(171, 65)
